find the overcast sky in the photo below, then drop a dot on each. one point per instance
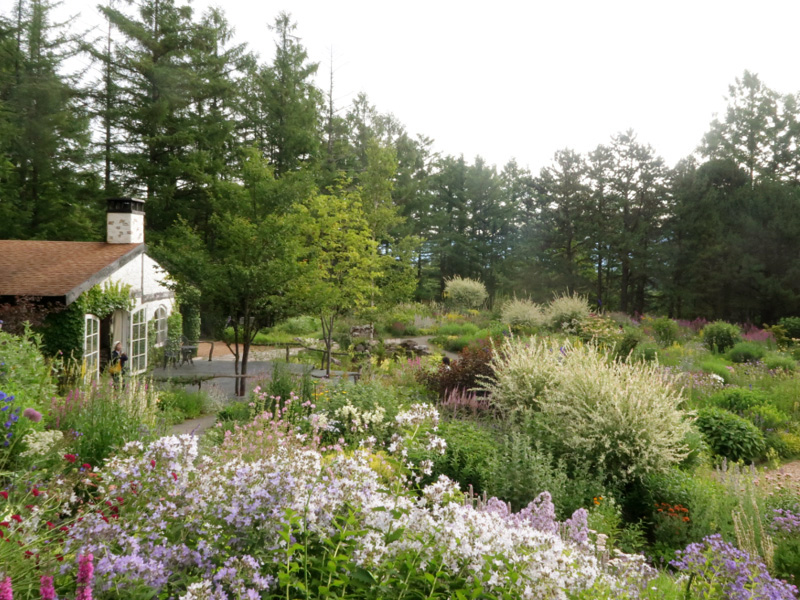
(513, 79)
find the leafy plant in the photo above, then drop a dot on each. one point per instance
(719, 336)
(665, 330)
(566, 311)
(746, 352)
(738, 400)
(472, 369)
(778, 362)
(522, 314)
(729, 435)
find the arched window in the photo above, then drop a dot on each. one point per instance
(91, 346)
(138, 353)
(161, 326)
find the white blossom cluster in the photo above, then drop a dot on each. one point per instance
(40, 443)
(358, 420)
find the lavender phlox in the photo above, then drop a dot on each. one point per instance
(785, 521)
(576, 528)
(718, 564)
(540, 514)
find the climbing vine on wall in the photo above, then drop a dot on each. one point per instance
(63, 331)
(101, 302)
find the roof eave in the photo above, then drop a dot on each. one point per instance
(123, 260)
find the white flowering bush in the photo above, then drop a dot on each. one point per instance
(565, 312)
(521, 313)
(463, 292)
(623, 418)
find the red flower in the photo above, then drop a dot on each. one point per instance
(29, 506)
(4, 495)
(16, 518)
(35, 492)
(63, 528)
(153, 463)
(4, 524)
(175, 476)
(50, 525)
(70, 458)
(87, 466)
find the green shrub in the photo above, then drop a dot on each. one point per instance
(462, 292)
(631, 337)
(565, 312)
(738, 400)
(645, 352)
(719, 336)
(457, 329)
(774, 441)
(791, 325)
(665, 330)
(470, 451)
(767, 417)
(786, 559)
(746, 352)
(717, 366)
(304, 325)
(190, 404)
(522, 314)
(729, 435)
(238, 411)
(792, 443)
(777, 362)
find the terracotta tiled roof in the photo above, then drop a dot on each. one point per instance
(58, 269)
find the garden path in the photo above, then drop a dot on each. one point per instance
(787, 476)
(194, 426)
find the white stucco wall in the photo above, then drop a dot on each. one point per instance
(124, 228)
(148, 291)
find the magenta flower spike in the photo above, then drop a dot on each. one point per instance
(46, 589)
(85, 576)
(6, 593)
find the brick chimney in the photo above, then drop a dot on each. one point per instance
(125, 221)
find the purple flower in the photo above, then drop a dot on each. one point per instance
(32, 415)
(577, 526)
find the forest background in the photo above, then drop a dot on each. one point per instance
(224, 146)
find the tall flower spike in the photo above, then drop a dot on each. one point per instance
(6, 593)
(85, 576)
(46, 589)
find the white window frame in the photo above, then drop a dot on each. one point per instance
(91, 346)
(161, 325)
(138, 341)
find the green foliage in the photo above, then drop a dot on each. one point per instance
(175, 329)
(630, 339)
(189, 405)
(462, 292)
(63, 332)
(778, 362)
(767, 417)
(717, 366)
(719, 336)
(24, 371)
(786, 559)
(791, 442)
(469, 457)
(191, 322)
(303, 325)
(729, 435)
(665, 330)
(746, 352)
(791, 326)
(738, 400)
(102, 302)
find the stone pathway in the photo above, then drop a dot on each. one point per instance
(194, 426)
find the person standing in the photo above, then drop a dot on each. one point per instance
(118, 360)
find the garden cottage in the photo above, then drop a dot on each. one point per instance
(113, 288)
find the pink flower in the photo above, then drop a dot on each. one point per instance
(32, 415)
(85, 576)
(6, 592)
(46, 589)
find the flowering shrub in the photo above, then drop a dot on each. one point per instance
(721, 571)
(219, 525)
(566, 312)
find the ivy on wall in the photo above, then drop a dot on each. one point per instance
(63, 331)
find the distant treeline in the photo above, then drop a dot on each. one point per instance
(167, 108)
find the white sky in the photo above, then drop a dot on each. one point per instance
(521, 79)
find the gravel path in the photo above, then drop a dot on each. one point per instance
(787, 476)
(194, 426)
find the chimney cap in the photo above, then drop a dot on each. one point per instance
(125, 205)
